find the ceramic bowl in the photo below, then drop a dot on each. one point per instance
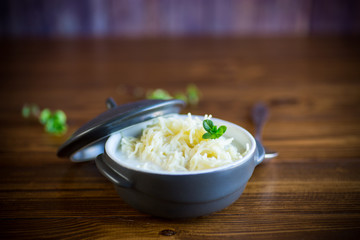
(180, 194)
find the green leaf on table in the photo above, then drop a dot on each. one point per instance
(53, 126)
(54, 122)
(193, 94)
(159, 94)
(30, 110)
(181, 96)
(26, 111)
(44, 115)
(60, 117)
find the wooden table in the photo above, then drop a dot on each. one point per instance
(312, 86)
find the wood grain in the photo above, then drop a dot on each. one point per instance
(311, 191)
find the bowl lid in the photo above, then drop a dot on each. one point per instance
(89, 140)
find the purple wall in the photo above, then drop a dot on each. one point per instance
(153, 18)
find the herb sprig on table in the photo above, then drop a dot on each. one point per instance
(54, 121)
(213, 131)
(191, 96)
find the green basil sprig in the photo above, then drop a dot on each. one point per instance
(212, 131)
(54, 121)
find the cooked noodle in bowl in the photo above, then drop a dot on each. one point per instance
(175, 144)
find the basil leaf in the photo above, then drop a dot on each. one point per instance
(213, 131)
(193, 94)
(159, 94)
(208, 125)
(45, 115)
(207, 136)
(60, 117)
(26, 111)
(222, 130)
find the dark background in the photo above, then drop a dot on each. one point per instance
(159, 18)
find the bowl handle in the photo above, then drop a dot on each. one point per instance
(111, 174)
(260, 153)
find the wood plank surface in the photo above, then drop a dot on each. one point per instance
(312, 86)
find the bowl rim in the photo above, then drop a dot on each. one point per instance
(116, 136)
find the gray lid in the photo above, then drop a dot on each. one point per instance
(89, 140)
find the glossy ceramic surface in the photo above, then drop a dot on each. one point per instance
(179, 194)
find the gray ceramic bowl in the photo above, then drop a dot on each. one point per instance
(185, 194)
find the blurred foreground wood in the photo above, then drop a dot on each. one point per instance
(311, 191)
